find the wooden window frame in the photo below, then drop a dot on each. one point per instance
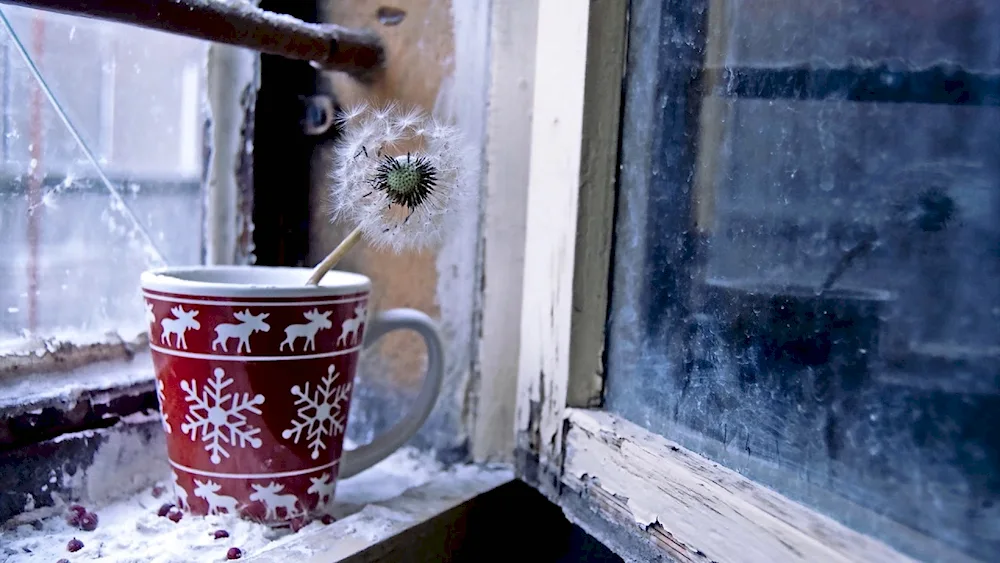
(551, 161)
(643, 495)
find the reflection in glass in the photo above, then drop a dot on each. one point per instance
(72, 251)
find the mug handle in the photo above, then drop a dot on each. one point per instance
(357, 460)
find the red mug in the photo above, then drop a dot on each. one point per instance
(254, 371)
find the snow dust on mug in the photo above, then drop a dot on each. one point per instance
(254, 371)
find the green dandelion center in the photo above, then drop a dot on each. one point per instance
(407, 181)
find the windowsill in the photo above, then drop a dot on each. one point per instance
(32, 390)
(400, 493)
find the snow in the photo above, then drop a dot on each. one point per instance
(129, 529)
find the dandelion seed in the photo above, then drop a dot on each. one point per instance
(398, 177)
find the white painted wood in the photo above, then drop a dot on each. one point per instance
(550, 233)
(506, 165)
(688, 505)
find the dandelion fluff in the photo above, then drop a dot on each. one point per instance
(398, 176)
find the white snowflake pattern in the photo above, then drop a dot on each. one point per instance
(220, 424)
(322, 414)
(163, 416)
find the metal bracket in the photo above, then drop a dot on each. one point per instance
(318, 115)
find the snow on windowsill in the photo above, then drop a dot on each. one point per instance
(66, 385)
(404, 489)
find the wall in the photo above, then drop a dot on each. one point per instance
(437, 58)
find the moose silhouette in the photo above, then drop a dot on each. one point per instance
(208, 491)
(352, 326)
(323, 487)
(185, 320)
(181, 492)
(150, 316)
(268, 494)
(248, 325)
(317, 322)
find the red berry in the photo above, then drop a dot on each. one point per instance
(165, 509)
(88, 522)
(175, 516)
(158, 491)
(327, 519)
(234, 553)
(219, 534)
(73, 515)
(74, 545)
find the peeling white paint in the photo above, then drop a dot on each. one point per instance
(232, 72)
(462, 100)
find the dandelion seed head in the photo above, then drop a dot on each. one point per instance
(399, 175)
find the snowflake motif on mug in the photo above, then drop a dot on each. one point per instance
(161, 397)
(220, 424)
(322, 414)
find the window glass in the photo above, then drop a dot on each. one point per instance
(72, 250)
(805, 280)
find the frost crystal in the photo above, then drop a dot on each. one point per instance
(218, 423)
(322, 413)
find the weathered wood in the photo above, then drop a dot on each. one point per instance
(507, 156)
(44, 355)
(550, 232)
(602, 108)
(84, 466)
(576, 108)
(692, 509)
(354, 51)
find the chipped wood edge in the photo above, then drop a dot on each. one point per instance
(688, 508)
(579, 53)
(506, 168)
(46, 355)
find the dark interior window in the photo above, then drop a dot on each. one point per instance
(806, 279)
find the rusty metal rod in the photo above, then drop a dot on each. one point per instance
(357, 52)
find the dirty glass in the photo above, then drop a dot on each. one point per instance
(806, 276)
(84, 210)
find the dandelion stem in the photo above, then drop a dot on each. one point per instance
(332, 258)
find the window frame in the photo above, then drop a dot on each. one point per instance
(549, 207)
(644, 495)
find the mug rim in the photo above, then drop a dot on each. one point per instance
(251, 281)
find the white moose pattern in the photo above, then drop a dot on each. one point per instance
(323, 487)
(209, 491)
(270, 496)
(248, 325)
(317, 322)
(181, 492)
(161, 396)
(185, 320)
(150, 315)
(220, 424)
(351, 326)
(322, 414)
